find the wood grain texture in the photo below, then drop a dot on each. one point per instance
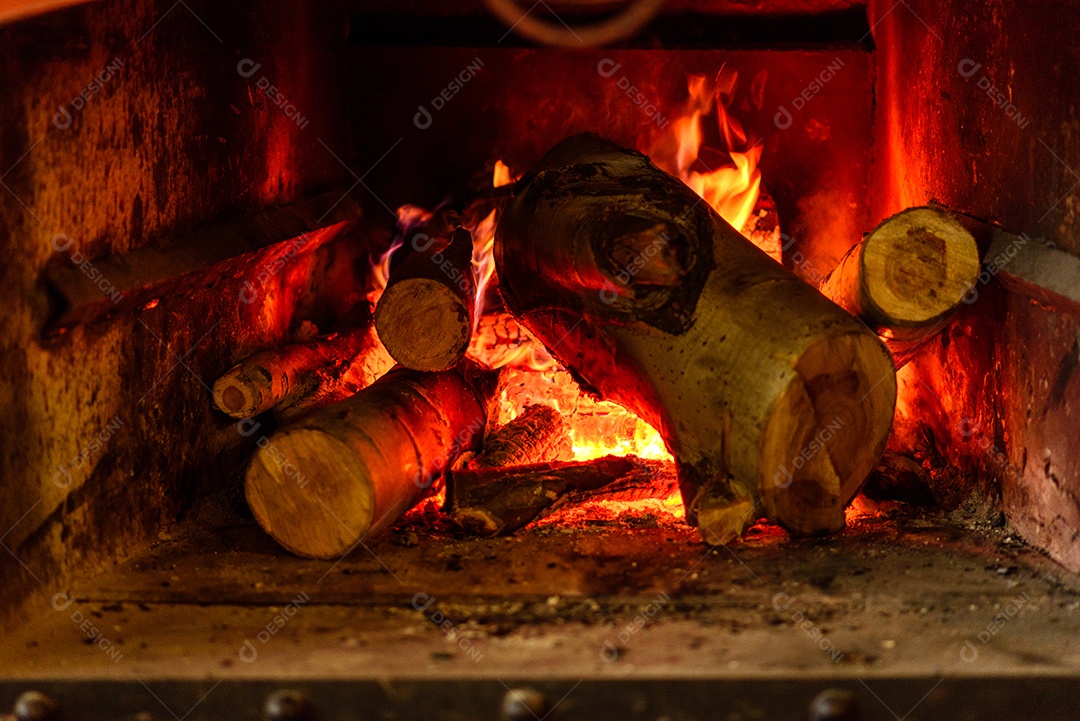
(907, 277)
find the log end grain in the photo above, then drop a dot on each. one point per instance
(242, 394)
(826, 432)
(917, 266)
(424, 324)
(288, 503)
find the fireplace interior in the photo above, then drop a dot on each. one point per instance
(190, 187)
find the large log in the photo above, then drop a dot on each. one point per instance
(499, 501)
(771, 398)
(320, 486)
(907, 277)
(425, 315)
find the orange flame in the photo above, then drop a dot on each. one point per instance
(597, 428)
(483, 260)
(732, 189)
(502, 175)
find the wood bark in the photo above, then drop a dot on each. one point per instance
(772, 399)
(499, 501)
(425, 315)
(907, 277)
(298, 377)
(321, 485)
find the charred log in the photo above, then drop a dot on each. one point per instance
(538, 435)
(499, 501)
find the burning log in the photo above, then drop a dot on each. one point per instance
(907, 277)
(539, 434)
(499, 501)
(321, 485)
(298, 377)
(766, 393)
(425, 315)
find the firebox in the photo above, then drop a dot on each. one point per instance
(685, 359)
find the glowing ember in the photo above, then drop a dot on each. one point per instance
(597, 428)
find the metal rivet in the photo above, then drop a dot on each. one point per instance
(287, 705)
(523, 704)
(834, 704)
(35, 706)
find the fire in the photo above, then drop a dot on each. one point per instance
(732, 189)
(597, 428)
(483, 259)
(502, 175)
(380, 273)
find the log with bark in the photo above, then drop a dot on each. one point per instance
(772, 399)
(298, 377)
(499, 501)
(425, 315)
(321, 485)
(907, 277)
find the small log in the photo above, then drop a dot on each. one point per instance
(499, 501)
(538, 435)
(425, 315)
(321, 485)
(298, 377)
(907, 277)
(768, 395)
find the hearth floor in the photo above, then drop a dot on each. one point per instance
(902, 592)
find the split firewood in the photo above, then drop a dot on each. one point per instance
(907, 277)
(298, 377)
(321, 485)
(425, 315)
(768, 395)
(499, 501)
(538, 435)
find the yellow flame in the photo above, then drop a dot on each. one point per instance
(731, 190)
(502, 175)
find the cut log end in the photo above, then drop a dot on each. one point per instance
(233, 399)
(241, 394)
(424, 324)
(918, 265)
(826, 432)
(288, 503)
